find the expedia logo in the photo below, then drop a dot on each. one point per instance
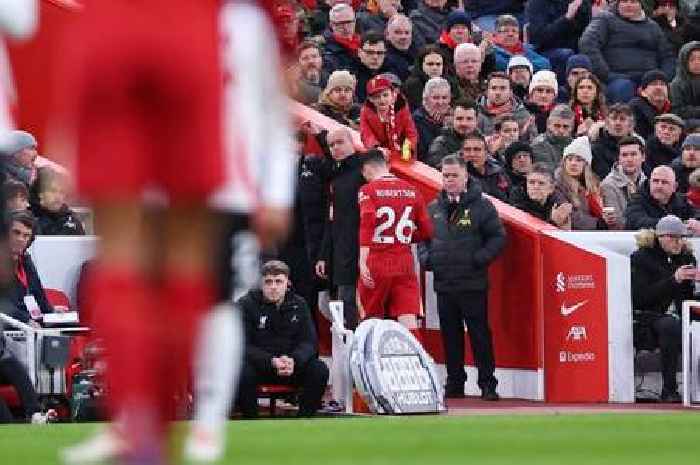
(566, 356)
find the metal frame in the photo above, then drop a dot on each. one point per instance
(690, 347)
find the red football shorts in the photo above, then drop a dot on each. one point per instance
(147, 92)
(391, 296)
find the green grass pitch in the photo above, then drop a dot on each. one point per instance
(591, 439)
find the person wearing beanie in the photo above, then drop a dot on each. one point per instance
(549, 147)
(385, 120)
(542, 97)
(554, 29)
(337, 99)
(651, 102)
(457, 31)
(664, 145)
(577, 66)
(19, 153)
(518, 158)
(663, 270)
(507, 44)
(519, 72)
(623, 44)
(578, 185)
(687, 163)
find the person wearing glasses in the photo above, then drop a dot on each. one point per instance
(507, 44)
(372, 54)
(342, 43)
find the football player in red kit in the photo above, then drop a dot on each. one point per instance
(144, 101)
(393, 215)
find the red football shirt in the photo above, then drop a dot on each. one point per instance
(393, 215)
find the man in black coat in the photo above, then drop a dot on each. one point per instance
(657, 199)
(26, 293)
(651, 102)
(664, 271)
(664, 145)
(468, 236)
(340, 248)
(281, 345)
(619, 123)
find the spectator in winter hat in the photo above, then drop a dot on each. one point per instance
(337, 99)
(19, 155)
(664, 145)
(688, 162)
(651, 102)
(542, 97)
(577, 66)
(519, 72)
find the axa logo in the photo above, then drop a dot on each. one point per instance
(568, 310)
(560, 282)
(577, 334)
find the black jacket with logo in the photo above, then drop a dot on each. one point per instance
(468, 236)
(273, 330)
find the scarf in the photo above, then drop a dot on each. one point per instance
(517, 49)
(595, 205)
(352, 44)
(500, 109)
(665, 108)
(581, 113)
(694, 197)
(446, 38)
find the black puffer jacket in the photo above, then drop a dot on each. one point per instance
(605, 151)
(467, 237)
(271, 331)
(494, 181)
(619, 47)
(654, 287)
(659, 154)
(521, 201)
(644, 212)
(644, 114)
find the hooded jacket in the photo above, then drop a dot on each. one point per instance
(685, 87)
(619, 47)
(467, 237)
(643, 211)
(549, 149)
(428, 23)
(654, 287)
(448, 142)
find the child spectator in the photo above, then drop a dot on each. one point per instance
(54, 217)
(385, 120)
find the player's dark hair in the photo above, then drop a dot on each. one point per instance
(373, 157)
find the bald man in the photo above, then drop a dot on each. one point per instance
(657, 199)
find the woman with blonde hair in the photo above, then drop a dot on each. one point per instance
(578, 185)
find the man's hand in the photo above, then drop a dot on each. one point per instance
(320, 269)
(693, 226)
(610, 218)
(685, 273)
(366, 276)
(598, 7)
(573, 9)
(561, 214)
(271, 225)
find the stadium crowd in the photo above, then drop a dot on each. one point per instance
(583, 113)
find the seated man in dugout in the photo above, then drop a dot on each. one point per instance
(281, 346)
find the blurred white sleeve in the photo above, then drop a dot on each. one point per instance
(257, 132)
(18, 18)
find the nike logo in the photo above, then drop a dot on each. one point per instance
(566, 311)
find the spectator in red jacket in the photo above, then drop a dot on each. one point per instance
(385, 120)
